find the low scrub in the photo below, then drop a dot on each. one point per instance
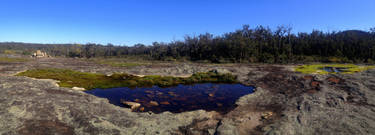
(7, 59)
(70, 78)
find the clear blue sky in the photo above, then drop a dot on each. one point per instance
(127, 22)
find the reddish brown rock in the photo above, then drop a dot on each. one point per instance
(165, 103)
(334, 80)
(314, 84)
(154, 103)
(308, 77)
(312, 91)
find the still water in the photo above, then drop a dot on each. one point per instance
(181, 98)
(334, 69)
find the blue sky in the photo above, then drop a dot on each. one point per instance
(126, 22)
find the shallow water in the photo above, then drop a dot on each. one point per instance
(181, 98)
(334, 69)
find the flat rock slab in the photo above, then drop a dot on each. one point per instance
(284, 103)
(32, 106)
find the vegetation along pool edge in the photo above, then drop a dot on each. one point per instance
(70, 78)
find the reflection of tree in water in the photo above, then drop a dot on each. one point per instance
(217, 97)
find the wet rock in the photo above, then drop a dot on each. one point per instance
(154, 103)
(150, 96)
(133, 105)
(165, 103)
(149, 91)
(172, 94)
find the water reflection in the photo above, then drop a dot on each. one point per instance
(208, 96)
(335, 69)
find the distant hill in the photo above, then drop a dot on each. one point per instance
(356, 33)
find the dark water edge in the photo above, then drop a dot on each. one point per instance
(334, 69)
(181, 98)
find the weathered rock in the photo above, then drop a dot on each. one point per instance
(154, 103)
(31, 106)
(133, 105)
(267, 115)
(221, 71)
(342, 105)
(314, 84)
(165, 103)
(78, 88)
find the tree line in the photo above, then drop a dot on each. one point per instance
(256, 45)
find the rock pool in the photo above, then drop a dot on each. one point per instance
(181, 98)
(335, 69)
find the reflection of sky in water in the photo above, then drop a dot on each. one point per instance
(334, 69)
(208, 96)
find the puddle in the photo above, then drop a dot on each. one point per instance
(334, 69)
(181, 98)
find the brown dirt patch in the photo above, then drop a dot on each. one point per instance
(314, 84)
(45, 127)
(335, 80)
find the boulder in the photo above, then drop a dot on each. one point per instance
(154, 103)
(165, 103)
(133, 105)
(78, 88)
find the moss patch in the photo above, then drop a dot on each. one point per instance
(318, 68)
(70, 78)
(6, 59)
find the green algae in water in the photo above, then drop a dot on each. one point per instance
(70, 78)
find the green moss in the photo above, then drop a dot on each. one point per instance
(6, 59)
(318, 68)
(70, 78)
